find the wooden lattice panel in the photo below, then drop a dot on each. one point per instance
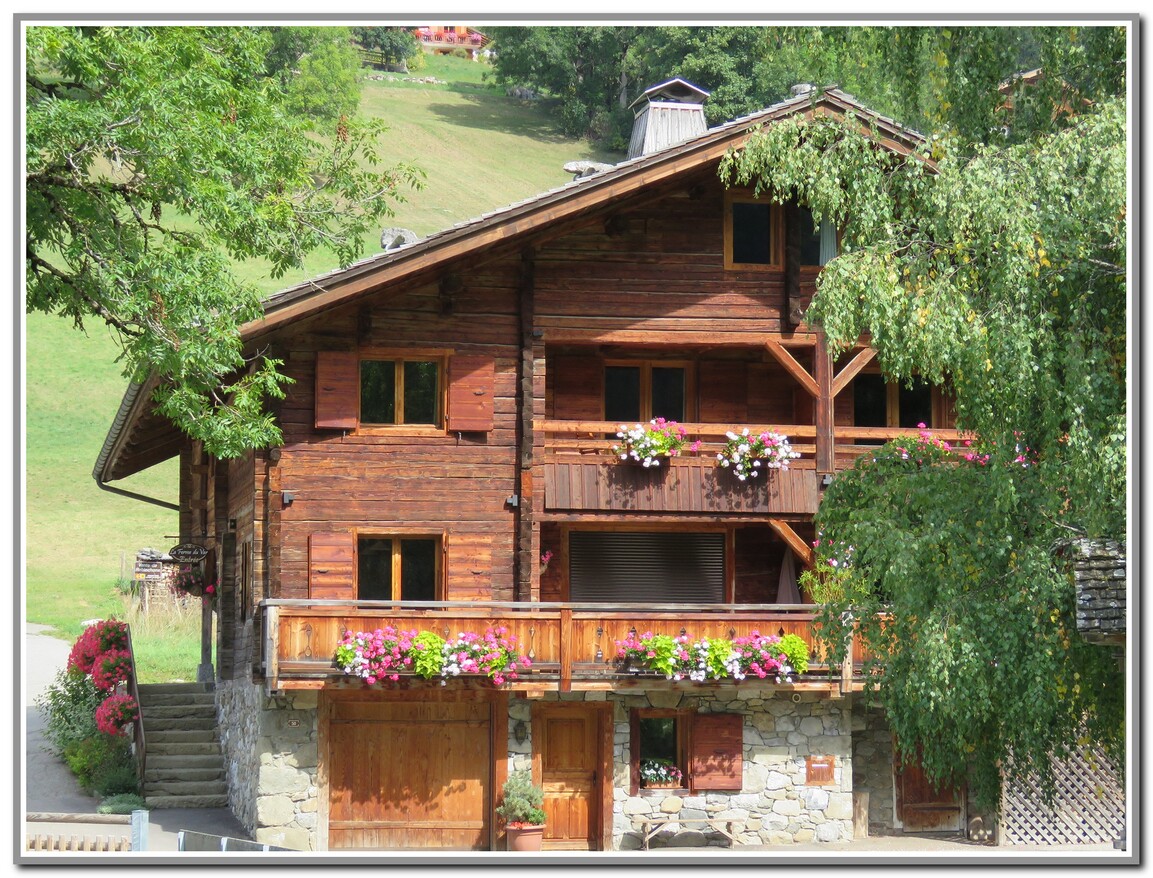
(1089, 807)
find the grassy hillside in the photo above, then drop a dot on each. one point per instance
(479, 150)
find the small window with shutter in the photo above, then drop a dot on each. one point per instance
(705, 749)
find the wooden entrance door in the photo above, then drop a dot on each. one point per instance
(567, 737)
(921, 805)
(409, 774)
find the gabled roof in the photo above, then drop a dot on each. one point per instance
(138, 436)
(676, 89)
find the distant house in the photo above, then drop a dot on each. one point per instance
(446, 466)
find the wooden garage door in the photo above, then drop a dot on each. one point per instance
(409, 775)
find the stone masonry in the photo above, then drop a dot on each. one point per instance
(270, 745)
(774, 807)
(873, 763)
(1099, 573)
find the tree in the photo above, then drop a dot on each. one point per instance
(327, 85)
(1001, 270)
(397, 45)
(155, 155)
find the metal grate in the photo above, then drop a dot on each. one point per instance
(1089, 807)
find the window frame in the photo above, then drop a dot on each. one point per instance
(439, 552)
(776, 232)
(937, 403)
(398, 357)
(684, 723)
(646, 402)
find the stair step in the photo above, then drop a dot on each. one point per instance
(154, 776)
(190, 736)
(155, 711)
(186, 788)
(178, 724)
(196, 699)
(147, 689)
(181, 748)
(166, 761)
(161, 802)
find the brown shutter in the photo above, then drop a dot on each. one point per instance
(716, 740)
(724, 392)
(471, 388)
(337, 390)
(331, 566)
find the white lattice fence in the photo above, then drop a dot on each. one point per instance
(1089, 807)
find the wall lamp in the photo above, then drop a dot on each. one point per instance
(520, 731)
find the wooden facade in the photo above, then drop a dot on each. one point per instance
(507, 328)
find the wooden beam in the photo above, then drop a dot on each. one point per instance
(786, 359)
(800, 548)
(826, 441)
(855, 365)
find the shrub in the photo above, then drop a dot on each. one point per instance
(121, 803)
(69, 706)
(118, 779)
(521, 801)
(93, 758)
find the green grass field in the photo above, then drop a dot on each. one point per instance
(479, 150)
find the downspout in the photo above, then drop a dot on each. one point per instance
(131, 397)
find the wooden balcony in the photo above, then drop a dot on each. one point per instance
(572, 647)
(581, 474)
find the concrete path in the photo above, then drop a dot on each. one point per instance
(49, 786)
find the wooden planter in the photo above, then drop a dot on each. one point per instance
(525, 838)
(671, 785)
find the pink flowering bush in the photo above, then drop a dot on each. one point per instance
(647, 443)
(747, 454)
(97, 639)
(111, 668)
(386, 653)
(115, 712)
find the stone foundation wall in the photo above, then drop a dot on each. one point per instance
(774, 806)
(873, 763)
(270, 747)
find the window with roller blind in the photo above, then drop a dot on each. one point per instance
(644, 567)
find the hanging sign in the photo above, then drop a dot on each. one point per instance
(187, 553)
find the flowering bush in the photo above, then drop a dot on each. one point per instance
(660, 771)
(386, 653)
(645, 443)
(97, 639)
(748, 453)
(758, 655)
(115, 712)
(110, 668)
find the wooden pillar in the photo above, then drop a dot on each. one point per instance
(526, 574)
(794, 312)
(823, 373)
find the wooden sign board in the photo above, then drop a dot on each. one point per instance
(187, 553)
(818, 770)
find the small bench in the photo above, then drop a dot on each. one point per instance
(650, 826)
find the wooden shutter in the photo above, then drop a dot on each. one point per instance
(716, 743)
(337, 390)
(471, 388)
(724, 392)
(331, 566)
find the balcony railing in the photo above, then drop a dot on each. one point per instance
(571, 646)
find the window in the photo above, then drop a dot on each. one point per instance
(397, 568)
(753, 230)
(818, 243)
(645, 390)
(652, 568)
(881, 403)
(400, 391)
(706, 748)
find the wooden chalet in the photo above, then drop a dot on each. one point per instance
(450, 423)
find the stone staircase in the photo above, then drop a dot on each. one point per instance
(185, 766)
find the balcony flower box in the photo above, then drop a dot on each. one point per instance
(748, 454)
(646, 444)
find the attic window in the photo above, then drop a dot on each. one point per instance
(753, 228)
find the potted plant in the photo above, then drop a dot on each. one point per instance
(521, 808)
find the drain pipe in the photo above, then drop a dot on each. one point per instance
(131, 395)
(131, 494)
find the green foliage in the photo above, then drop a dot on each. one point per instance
(155, 157)
(797, 652)
(99, 761)
(121, 803)
(427, 654)
(69, 705)
(521, 800)
(397, 45)
(118, 779)
(326, 86)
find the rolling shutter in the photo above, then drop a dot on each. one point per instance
(471, 388)
(717, 741)
(648, 568)
(331, 566)
(337, 390)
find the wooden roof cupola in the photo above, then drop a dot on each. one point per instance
(666, 114)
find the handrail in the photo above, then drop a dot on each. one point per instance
(138, 723)
(488, 607)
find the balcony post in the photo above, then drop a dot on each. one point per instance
(526, 585)
(566, 649)
(823, 373)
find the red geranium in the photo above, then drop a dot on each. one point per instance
(111, 668)
(115, 712)
(99, 638)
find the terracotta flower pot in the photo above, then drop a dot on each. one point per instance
(525, 838)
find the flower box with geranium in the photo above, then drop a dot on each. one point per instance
(647, 443)
(661, 774)
(387, 653)
(747, 454)
(678, 658)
